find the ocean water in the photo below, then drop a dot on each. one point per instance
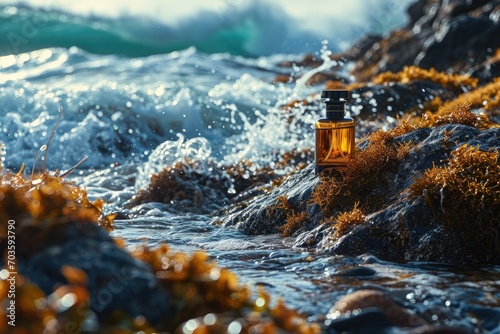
(240, 27)
(142, 87)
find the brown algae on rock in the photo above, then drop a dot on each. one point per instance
(413, 73)
(465, 196)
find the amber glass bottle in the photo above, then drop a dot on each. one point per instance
(334, 133)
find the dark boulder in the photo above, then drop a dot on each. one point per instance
(460, 44)
(403, 228)
(116, 281)
(455, 34)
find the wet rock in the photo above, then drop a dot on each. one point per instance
(459, 35)
(256, 218)
(460, 43)
(359, 271)
(369, 320)
(487, 70)
(381, 303)
(488, 316)
(116, 281)
(374, 311)
(361, 46)
(400, 49)
(402, 229)
(395, 99)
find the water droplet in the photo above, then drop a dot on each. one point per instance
(234, 327)
(209, 319)
(190, 326)
(68, 300)
(260, 302)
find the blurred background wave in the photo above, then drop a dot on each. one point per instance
(239, 27)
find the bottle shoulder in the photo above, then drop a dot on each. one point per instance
(328, 122)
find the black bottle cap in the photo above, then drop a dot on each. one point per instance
(335, 103)
(335, 94)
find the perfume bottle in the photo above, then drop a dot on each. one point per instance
(334, 133)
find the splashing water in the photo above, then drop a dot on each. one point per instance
(3, 152)
(328, 63)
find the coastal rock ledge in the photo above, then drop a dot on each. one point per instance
(439, 202)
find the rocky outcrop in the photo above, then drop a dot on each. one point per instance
(116, 282)
(455, 34)
(402, 228)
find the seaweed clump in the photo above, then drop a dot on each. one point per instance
(412, 73)
(186, 185)
(204, 186)
(38, 313)
(208, 299)
(486, 97)
(363, 181)
(457, 114)
(347, 220)
(38, 209)
(42, 206)
(465, 196)
(295, 219)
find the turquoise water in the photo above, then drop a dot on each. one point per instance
(24, 29)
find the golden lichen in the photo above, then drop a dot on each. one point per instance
(465, 196)
(412, 73)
